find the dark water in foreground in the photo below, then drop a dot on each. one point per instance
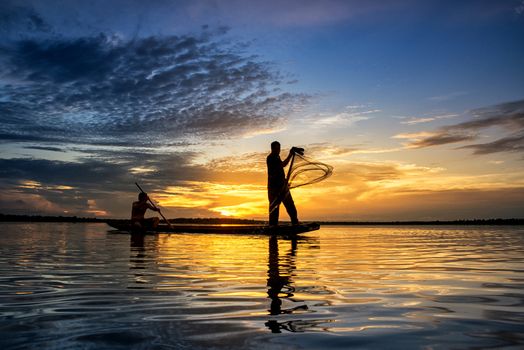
(76, 286)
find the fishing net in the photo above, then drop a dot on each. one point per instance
(303, 171)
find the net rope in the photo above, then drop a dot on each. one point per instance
(305, 171)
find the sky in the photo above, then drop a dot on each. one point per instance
(417, 105)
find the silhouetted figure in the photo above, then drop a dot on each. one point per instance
(139, 210)
(277, 186)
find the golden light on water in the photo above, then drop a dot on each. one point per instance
(337, 280)
(222, 258)
(380, 259)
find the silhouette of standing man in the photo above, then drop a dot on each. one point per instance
(277, 186)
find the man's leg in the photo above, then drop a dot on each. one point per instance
(149, 223)
(290, 207)
(274, 204)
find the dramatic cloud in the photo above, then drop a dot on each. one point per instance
(329, 151)
(118, 108)
(508, 116)
(105, 89)
(96, 95)
(106, 178)
(236, 186)
(45, 148)
(439, 138)
(90, 175)
(506, 144)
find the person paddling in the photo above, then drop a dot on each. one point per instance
(277, 186)
(139, 210)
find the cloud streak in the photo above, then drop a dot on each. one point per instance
(506, 144)
(437, 139)
(413, 121)
(508, 116)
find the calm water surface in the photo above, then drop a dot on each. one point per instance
(77, 286)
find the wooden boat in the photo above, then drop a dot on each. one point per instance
(124, 226)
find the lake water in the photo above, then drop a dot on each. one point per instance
(71, 286)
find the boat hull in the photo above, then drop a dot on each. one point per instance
(126, 227)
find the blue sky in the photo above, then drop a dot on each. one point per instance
(185, 96)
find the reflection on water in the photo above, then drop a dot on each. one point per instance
(281, 286)
(78, 286)
(137, 258)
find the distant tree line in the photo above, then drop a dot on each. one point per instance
(47, 218)
(233, 221)
(60, 218)
(211, 221)
(432, 222)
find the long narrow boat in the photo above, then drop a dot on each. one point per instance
(123, 226)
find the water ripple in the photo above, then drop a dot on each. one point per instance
(70, 286)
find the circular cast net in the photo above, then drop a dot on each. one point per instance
(303, 171)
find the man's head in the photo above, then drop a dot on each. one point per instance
(275, 147)
(142, 196)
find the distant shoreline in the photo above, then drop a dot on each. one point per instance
(231, 221)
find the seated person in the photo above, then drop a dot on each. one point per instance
(139, 210)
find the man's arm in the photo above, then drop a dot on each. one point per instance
(288, 158)
(149, 206)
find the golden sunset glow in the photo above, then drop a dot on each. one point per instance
(189, 111)
(30, 184)
(359, 188)
(94, 209)
(227, 200)
(247, 174)
(247, 260)
(141, 170)
(243, 210)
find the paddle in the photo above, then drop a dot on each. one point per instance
(154, 206)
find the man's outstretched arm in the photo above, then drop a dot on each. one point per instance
(288, 158)
(150, 206)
